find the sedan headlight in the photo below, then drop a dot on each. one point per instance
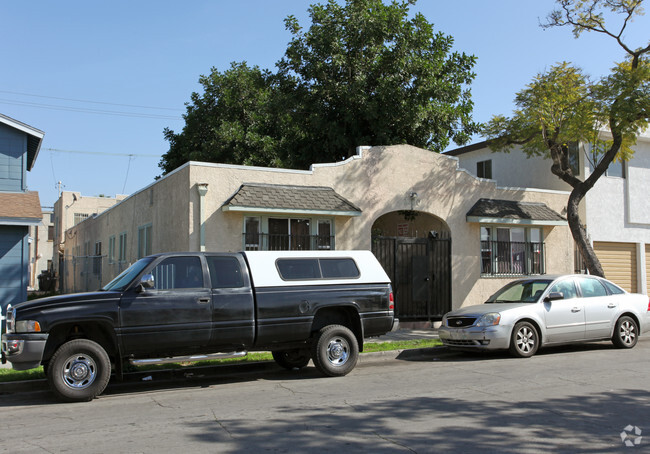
(28, 326)
(490, 319)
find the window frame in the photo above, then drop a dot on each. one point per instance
(111, 249)
(500, 257)
(484, 169)
(122, 253)
(145, 240)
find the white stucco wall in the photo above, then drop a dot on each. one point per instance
(515, 169)
(618, 209)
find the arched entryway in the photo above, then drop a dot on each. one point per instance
(414, 248)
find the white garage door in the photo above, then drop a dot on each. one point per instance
(619, 263)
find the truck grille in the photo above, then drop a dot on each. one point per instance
(460, 322)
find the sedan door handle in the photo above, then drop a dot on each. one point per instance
(611, 305)
(576, 309)
(204, 300)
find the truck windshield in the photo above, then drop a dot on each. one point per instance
(126, 276)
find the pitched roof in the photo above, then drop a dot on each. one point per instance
(513, 212)
(20, 208)
(467, 149)
(34, 138)
(272, 198)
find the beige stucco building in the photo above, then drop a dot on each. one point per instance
(400, 192)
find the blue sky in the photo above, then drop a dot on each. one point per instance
(121, 54)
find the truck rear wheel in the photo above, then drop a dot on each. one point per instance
(79, 370)
(335, 350)
(291, 359)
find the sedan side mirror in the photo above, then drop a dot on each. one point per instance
(553, 296)
(147, 281)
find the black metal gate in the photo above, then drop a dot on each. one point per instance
(420, 270)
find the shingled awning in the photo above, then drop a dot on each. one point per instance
(272, 198)
(20, 208)
(493, 211)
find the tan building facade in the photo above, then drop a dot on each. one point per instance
(394, 191)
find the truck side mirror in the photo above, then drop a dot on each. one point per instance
(147, 281)
(553, 296)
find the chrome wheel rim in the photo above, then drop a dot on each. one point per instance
(79, 371)
(338, 351)
(525, 339)
(627, 332)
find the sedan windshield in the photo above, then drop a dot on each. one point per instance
(125, 277)
(528, 291)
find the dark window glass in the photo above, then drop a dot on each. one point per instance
(299, 269)
(574, 158)
(225, 272)
(339, 268)
(178, 272)
(484, 169)
(591, 288)
(613, 289)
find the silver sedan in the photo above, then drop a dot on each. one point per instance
(547, 310)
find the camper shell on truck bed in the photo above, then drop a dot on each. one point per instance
(172, 307)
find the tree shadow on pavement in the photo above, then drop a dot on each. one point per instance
(583, 423)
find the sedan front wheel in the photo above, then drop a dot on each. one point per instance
(524, 341)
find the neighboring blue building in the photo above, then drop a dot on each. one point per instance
(19, 208)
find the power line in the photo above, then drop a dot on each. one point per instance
(134, 155)
(86, 110)
(91, 102)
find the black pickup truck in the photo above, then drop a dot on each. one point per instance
(177, 307)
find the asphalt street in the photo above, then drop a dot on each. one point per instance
(590, 398)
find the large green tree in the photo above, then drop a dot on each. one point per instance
(562, 106)
(363, 73)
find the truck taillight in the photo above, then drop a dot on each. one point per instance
(649, 305)
(391, 300)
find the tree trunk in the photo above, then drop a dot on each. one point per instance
(580, 234)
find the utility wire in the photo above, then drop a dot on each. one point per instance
(91, 102)
(86, 110)
(139, 155)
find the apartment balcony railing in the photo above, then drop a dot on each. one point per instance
(271, 242)
(507, 258)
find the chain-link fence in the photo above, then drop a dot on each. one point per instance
(88, 273)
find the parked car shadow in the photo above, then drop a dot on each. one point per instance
(447, 354)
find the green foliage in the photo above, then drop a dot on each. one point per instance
(363, 73)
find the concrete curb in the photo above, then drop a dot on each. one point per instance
(176, 375)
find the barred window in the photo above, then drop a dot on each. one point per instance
(511, 251)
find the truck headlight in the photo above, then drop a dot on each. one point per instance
(490, 319)
(28, 326)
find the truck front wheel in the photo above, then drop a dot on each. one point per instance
(335, 350)
(79, 370)
(291, 359)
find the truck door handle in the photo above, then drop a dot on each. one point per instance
(576, 309)
(204, 300)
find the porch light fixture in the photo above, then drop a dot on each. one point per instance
(414, 199)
